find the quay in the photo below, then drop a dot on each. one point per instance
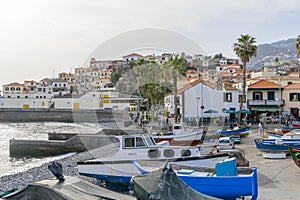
(60, 115)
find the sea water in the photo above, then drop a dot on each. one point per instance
(34, 131)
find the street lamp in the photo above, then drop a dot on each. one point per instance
(197, 98)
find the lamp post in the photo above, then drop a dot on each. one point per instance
(197, 98)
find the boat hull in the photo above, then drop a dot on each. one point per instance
(117, 172)
(242, 132)
(181, 138)
(270, 145)
(295, 153)
(218, 186)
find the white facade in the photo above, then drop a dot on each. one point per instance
(191, 100)
(77, 103)
(25, 103)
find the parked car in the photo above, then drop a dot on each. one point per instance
(236, 139)
(225, 143)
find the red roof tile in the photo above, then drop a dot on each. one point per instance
(292, 86)
(132, 55)
(264, 84)
(14, 84)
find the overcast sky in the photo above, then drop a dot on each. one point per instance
(39, 37)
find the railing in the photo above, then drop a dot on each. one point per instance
(265, 102)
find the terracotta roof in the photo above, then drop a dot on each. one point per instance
(263, 84)
(30, 81)
(132, 55)
(193, 83)
(292, 86)
(14, 84)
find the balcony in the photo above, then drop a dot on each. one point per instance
(265, 102)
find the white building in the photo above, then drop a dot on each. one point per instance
(131, 57)
(201, 94)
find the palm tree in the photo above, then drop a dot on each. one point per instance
(244, 49)
(297, 45)
(176, 66)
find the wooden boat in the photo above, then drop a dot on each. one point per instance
(119, 168)
(170, 186)
(296, 124)
(225, 181)
(295, 153)
(278, 144)
(180, 136)
(242, 132)
(278, 131)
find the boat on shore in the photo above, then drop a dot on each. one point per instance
(164, 184)
(243, 132)
(224, 181)
(277, 143)
(179, 136)
(119, 168)
(295, 153)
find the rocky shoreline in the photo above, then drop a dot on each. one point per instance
(69, 163)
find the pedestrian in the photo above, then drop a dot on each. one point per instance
(260, 128)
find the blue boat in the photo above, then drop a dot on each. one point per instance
(242, 132)
(226, 181)
(276, 145)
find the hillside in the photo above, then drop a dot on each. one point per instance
(284, 50)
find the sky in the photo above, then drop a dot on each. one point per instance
(40, 39)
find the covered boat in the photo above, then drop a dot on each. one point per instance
(164, 184)
(72, 188)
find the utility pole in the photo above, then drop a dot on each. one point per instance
(197, 99)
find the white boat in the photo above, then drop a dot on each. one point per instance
(179, 136)
(143, 148)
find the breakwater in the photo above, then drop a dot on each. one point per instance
(61, 115)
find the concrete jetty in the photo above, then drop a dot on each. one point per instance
(61, 115)
(40, 148)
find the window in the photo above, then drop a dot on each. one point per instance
(240, 98)
(140, 142)
(6, 88)
(12, 89)
(228, 97)
(129, 142)
(294, 97)
(18, 89)
(257, 96)
(271, 95)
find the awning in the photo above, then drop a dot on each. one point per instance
(266, 109)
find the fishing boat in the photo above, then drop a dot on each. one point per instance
(296, 124)
(277, 143)
(224, 181)
(180, 136)
(170, 186)
(236, 131)
(119, 168)
(295, 153)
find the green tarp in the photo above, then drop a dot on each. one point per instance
(164, 184)
(266, 109)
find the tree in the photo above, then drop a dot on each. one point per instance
(244, 49)
(176, 66)
(297, 45)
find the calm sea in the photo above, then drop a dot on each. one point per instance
(37, 131)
